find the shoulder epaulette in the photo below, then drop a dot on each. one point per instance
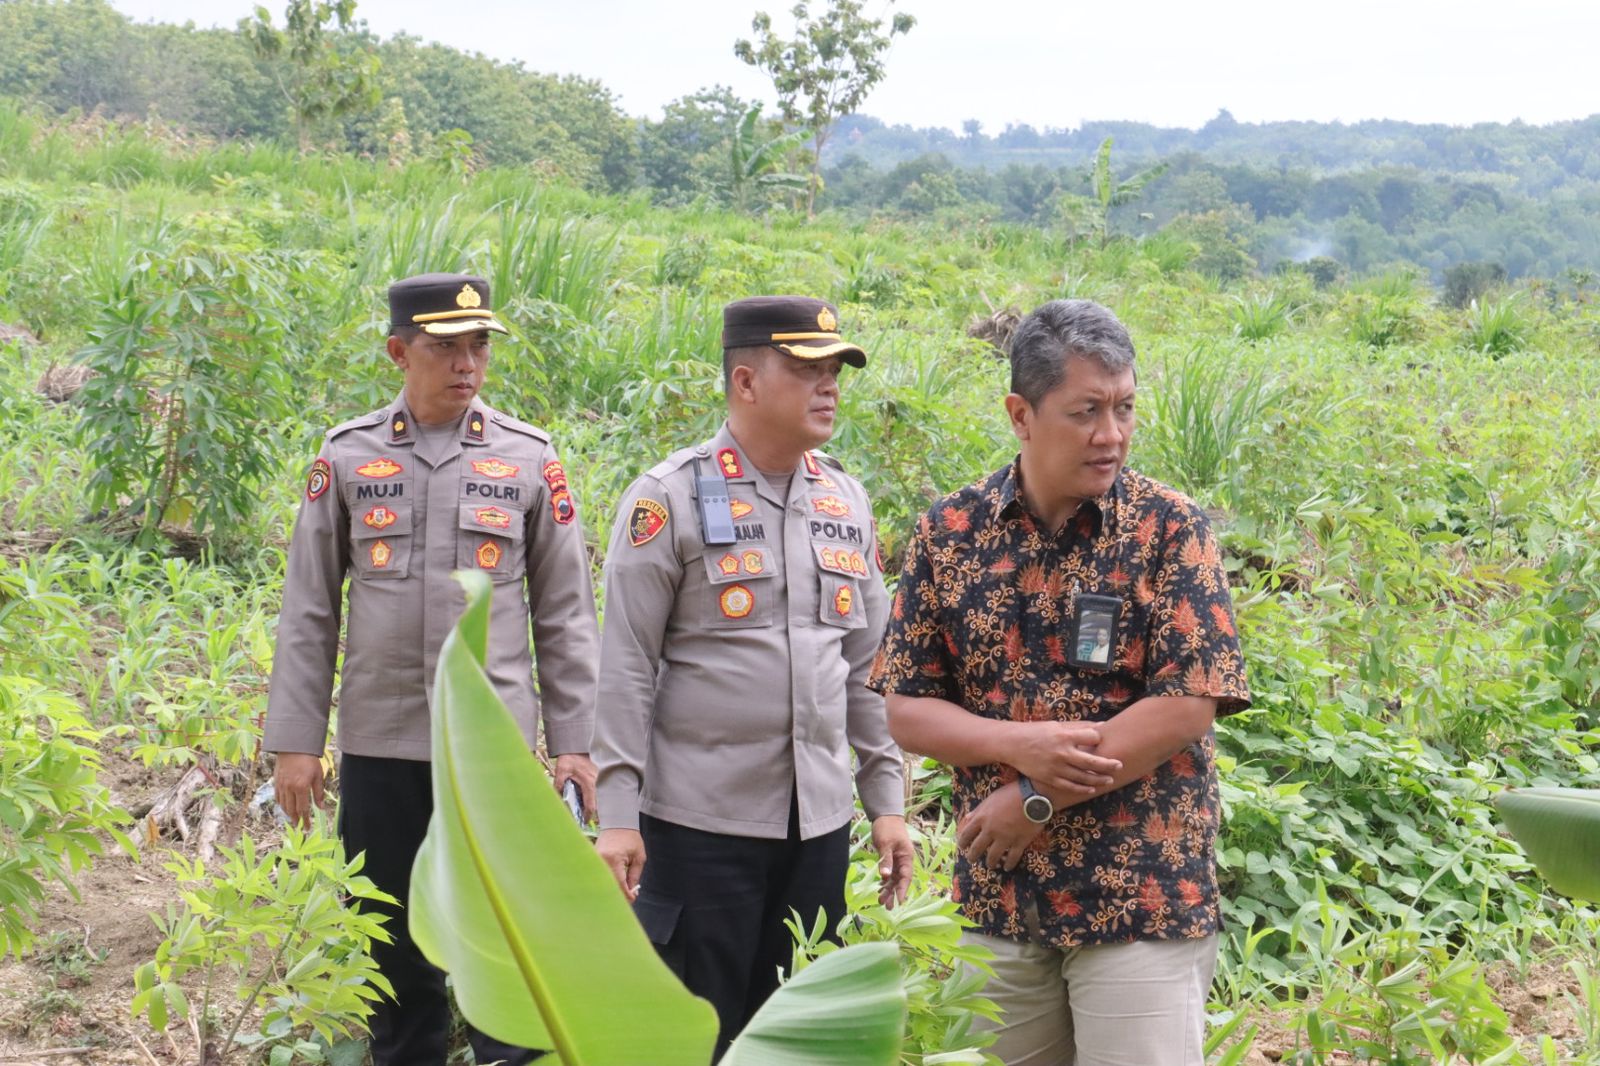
(371, 418)
(500, 418)
(676, 461)
(830, 460)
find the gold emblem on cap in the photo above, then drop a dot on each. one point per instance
(468, 297)
(826, 322)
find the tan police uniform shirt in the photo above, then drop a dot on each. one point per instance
(733, 674)
(397, 514)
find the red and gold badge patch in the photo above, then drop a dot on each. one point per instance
(728, 459)
(648, 519)
(843, 560)
(813, 468)
(555, 476)
(736, 601)
(495, 468)
(321, 477)
(843, 599)
(739, 508)
(381, 554)
(384, 467)
(492, 517)
(831, 505)
(561, 508)
(728, 564)
(380, 518)
(488, 555)
(753, 563)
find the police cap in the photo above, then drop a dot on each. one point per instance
(442, 304)
(798, 326)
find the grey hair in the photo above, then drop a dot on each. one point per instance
(1059, 329)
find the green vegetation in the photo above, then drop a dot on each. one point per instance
(1411, 519)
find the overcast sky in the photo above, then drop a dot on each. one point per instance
(1057, 63)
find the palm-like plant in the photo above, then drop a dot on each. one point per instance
(757, 166)
(1109, 193)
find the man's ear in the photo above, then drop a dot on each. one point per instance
(1020, 413)
(741, 382)
(396, 349)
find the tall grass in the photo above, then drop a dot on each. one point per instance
(1257, 318)
(539, 256)
(1201, 411)
(1497, 327)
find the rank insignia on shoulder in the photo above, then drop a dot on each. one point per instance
(488, 555)
(648, 519)
(321, 477)
(475, 426)
(492, 517)
(495, 468)
(813, 468)
(384, 467)
(728, 460)
(831, 505)
(843, 600)
(397, 428)
(561, 508)
(728, 564)
(736, 601)
(753, 563)
(381, 554)
(380, 517)
(555, 476)
(740, 508)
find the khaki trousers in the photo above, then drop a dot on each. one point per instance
(1138, 1004)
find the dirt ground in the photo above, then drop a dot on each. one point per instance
(66, 1004)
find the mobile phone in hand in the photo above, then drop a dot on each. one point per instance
(573, 798)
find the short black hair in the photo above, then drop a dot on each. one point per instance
(406, 333)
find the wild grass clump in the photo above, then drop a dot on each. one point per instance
(1257, 318)
(1203, 409)
(1496, 327)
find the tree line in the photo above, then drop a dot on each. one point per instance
(1512, 200)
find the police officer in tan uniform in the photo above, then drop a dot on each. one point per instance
(433, 482)
(744, 604)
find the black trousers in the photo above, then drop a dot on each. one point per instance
(714, 907)
(384, 809)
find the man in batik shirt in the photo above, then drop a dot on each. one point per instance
(1063, 637)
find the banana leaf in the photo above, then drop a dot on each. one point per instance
(508, 896)
(846, 1009)
(1559, 828)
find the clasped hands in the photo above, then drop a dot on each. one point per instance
(1059, 758)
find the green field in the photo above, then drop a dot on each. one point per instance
(1406, 494)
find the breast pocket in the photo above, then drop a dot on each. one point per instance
(741, 580)
(840, 571)
(489, 539)
(380, 541)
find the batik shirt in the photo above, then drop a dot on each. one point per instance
(984, 618)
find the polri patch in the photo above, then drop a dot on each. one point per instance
(561, 508)
(492, 517)
(648, 519)
(739, 508)
(843, 600)
(752, 562)
(831, 505)
(381, 554)
(736, 601)
(728, 460)
(495, 468)
(321, 477)
(555, 476)
(384, 467)
(488, 555)
(380, 518)
(728, 564)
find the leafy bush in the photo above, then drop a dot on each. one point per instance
(1496, 327)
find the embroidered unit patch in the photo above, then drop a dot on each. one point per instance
(384, 467)
(380, 518)
(648, 519)
(495, 468)
(561, 508)
(753, 563)
(843, 599)
(736, 601)
(728, 564)
(728, 459)
(831, 505)
(382, 554)
(321, 477)
(488, 555)
(492, 517)
(739, 508)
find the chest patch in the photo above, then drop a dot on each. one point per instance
(379, 468)
(494, 468)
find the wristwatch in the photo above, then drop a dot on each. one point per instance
(1036, 806)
